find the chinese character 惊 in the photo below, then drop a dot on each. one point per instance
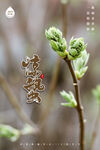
(34, 82)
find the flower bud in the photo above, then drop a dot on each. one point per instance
(57, 42)
(76, 47)
(54, 45)
(53, 34)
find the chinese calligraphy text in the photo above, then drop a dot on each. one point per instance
(33, 85)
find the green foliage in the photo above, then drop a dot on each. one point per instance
(69, 97)
(9, 132)
(76, 47)
(53, 34)
(13, 134)
(80, 67)
(76, 52)
(96, 93)
(57, 42)
(64, 1)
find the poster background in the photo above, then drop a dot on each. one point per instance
(24, 35)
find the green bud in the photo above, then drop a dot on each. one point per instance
(53, 34)
(62, 45)
(54, 45)
(57, 42)
(9, 132)
(73, 52)
(80, 65)
(62, 54)
(96, 93)
(76, 47)
(69, 97)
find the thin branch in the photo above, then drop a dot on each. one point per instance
(57, 68)
(12, 99)
(64, 19)
(7, 50)
(96, 126)
(51, 91)
(79, 107)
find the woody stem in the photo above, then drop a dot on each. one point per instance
(79, 107)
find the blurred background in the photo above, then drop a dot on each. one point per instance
(24, 35)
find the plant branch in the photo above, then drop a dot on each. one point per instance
(94, 135)
(51, 91)
(79, 107)
(64, 19)
(57, 68)
(12, 99)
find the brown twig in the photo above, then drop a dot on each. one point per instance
(57, 68)
(79, 107)
(51, 91)
(12, 99)
(94, 135)
(64, 19)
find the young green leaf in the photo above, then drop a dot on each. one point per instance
(70, 99)
(9, 132)
(80, 64)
